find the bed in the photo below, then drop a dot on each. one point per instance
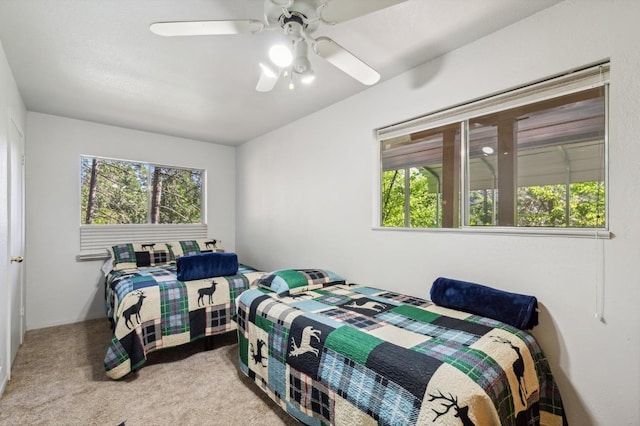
(152, 304)
(345, 354)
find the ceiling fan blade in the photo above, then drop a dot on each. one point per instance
(268, 79)
(344, 60)
(190, 28)
(342, 10)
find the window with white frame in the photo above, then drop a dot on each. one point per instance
(127, 201)
(532, 157)
(126, 192)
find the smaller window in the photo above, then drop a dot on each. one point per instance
(117, 192)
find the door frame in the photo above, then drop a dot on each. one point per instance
(12, 126)
(15, 140)
(5, 327)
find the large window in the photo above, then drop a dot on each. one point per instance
(533, 157)
(124, 192)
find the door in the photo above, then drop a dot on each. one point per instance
(16, 240)
(4, 263)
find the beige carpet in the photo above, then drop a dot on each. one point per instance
(58, 379)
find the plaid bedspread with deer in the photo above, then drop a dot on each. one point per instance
(350, 354)
(149, 309)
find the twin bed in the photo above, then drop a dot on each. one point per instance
(345, 354)
(332, 352)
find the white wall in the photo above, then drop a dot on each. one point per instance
(305, 200)
(60, 289)
(11, 107)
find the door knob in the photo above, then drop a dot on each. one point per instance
(18, 259)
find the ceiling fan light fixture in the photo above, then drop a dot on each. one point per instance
(267, 71)
(307, 77)
(301, 65)
(268, 78)
(281, 55)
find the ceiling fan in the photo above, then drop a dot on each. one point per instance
(298, 19)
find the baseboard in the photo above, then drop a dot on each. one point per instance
(4, 379)
(56, 323)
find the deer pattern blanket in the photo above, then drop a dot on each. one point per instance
(149, 309)
(350, 354)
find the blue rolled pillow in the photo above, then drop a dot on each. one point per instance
(517, 310)
(206, 265)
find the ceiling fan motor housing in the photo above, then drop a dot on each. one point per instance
(301, 62)
(293, 25)
(302, 13)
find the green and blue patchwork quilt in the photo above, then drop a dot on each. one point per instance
(149, 309)
(348, 354)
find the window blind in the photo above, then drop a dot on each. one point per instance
(97, 238)
(572, 82)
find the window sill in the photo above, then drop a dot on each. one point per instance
(522, 232)
(86, 257)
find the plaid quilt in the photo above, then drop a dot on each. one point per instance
(351, 354)
(150, 309)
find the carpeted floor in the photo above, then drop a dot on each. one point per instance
(58, 379)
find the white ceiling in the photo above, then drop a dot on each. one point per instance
(97, 60)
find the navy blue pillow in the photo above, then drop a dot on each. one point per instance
(206, 265)
(515, 309)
